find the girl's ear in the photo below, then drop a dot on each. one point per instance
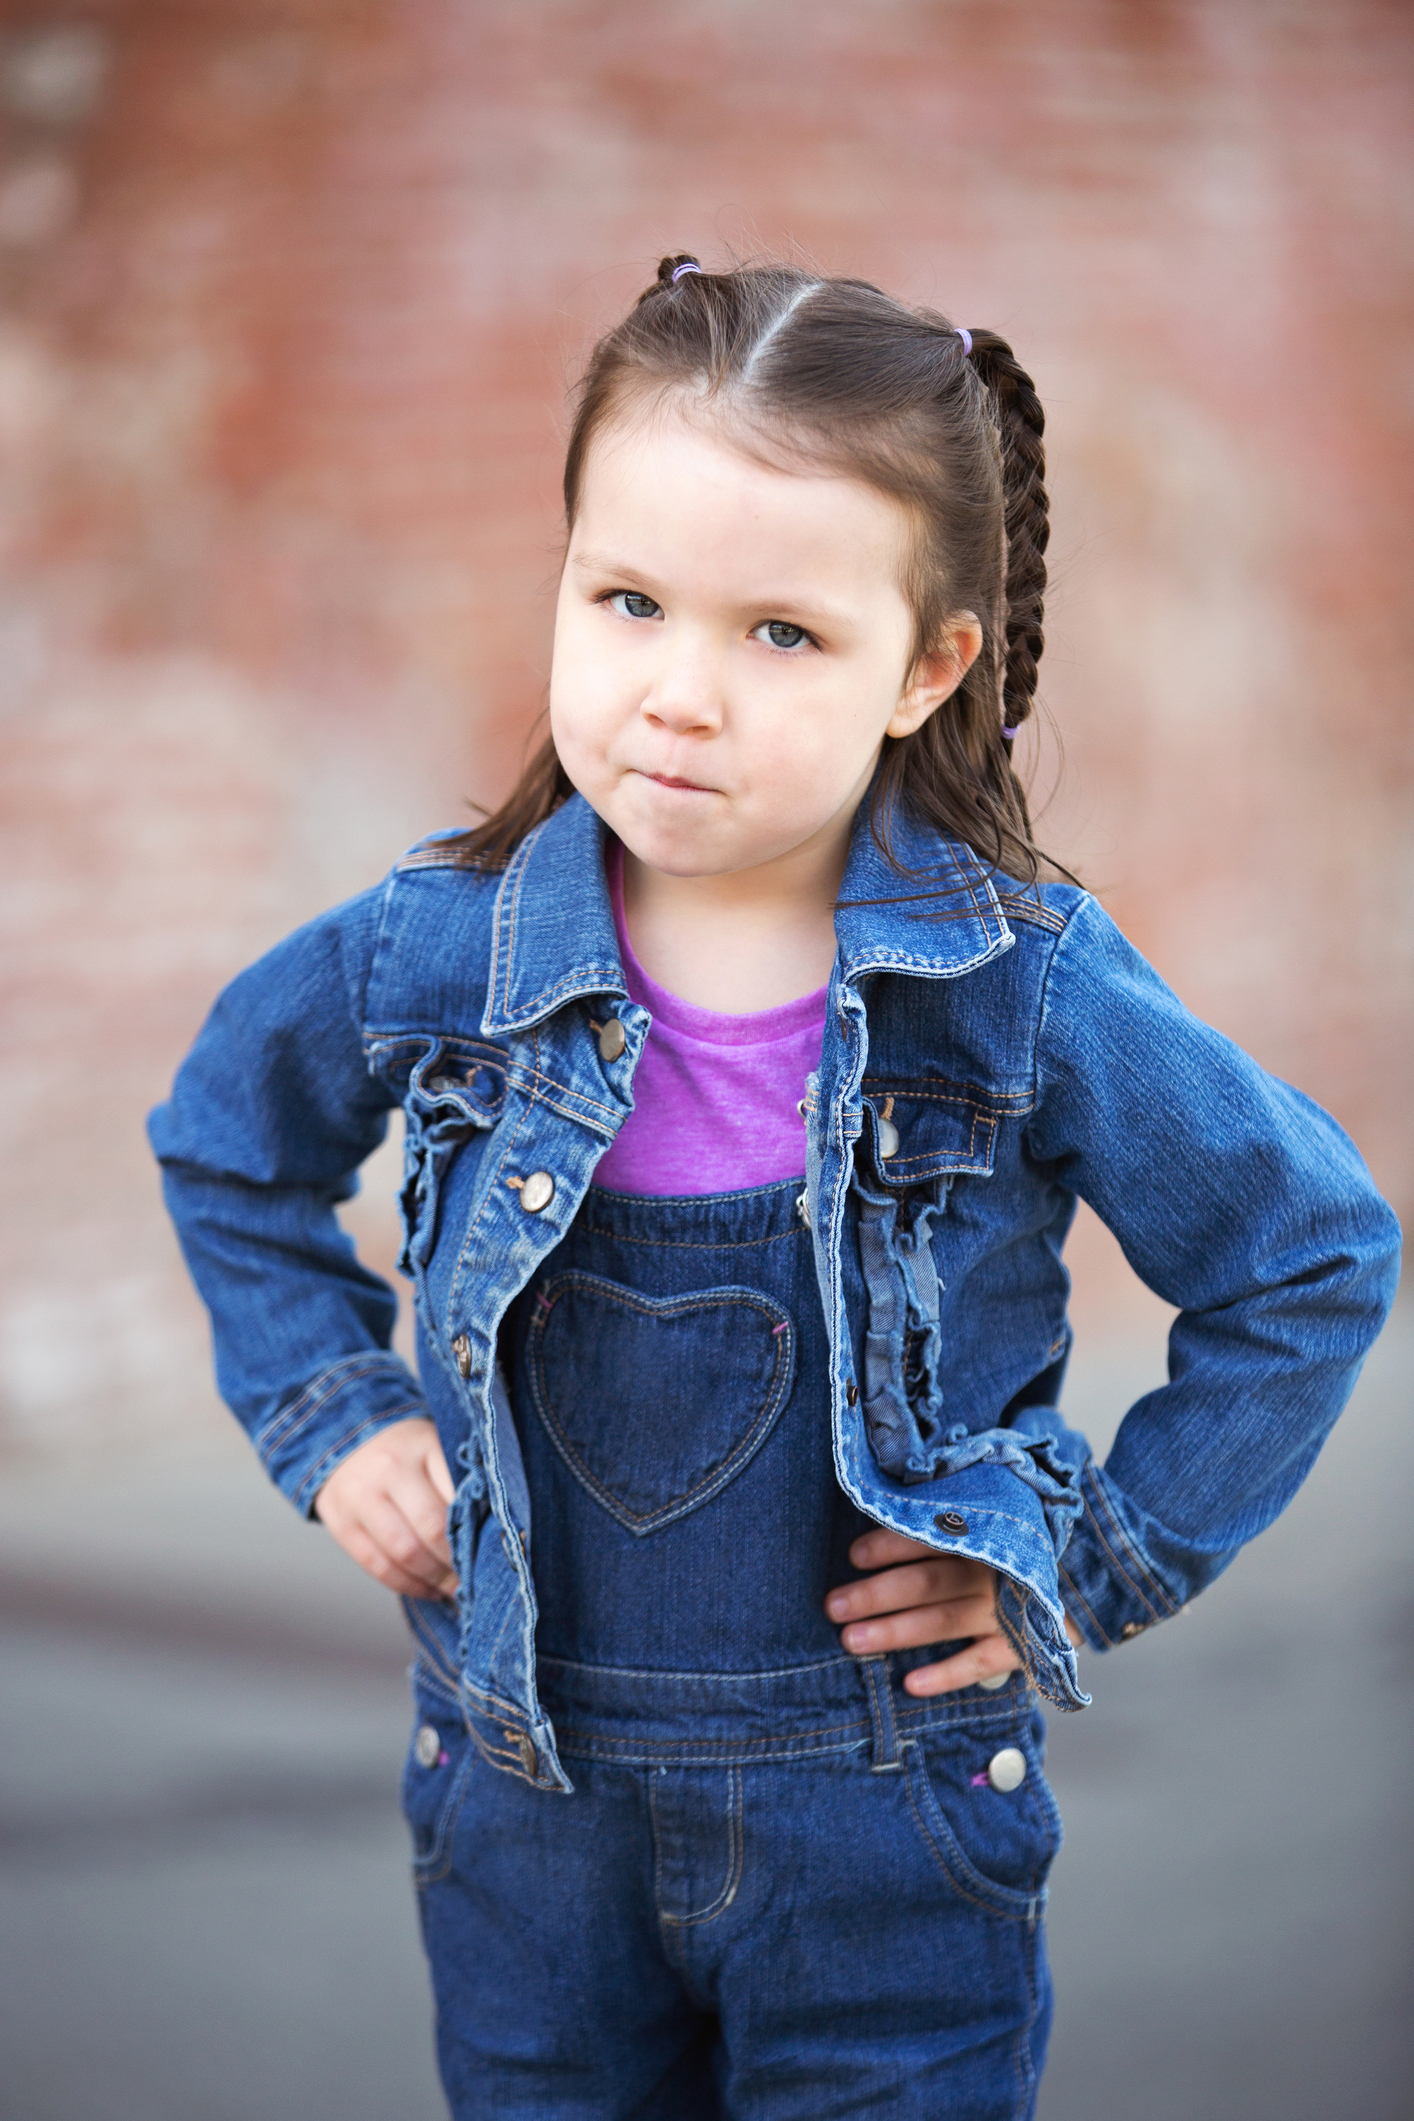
(936, 676)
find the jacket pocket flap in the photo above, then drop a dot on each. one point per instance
(928, 1128)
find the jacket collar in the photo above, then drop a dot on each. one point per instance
(553, 937)
(941, 918)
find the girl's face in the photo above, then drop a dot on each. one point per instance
(731, 648)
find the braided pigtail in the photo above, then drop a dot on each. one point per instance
(957, 768)
(1022, 423)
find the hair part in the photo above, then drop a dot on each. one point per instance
(835, 374)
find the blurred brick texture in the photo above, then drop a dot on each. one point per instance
(291, 295)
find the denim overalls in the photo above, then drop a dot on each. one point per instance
(669, 1376)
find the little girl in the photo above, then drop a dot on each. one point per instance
(752, 1062)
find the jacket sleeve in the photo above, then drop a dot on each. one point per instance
(270, 1117)
(1243, 1203)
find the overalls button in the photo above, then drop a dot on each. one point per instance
(888, 1138)
(537, 1192)
(428, 1746)
(998, 1679)
(612, 1039)
(461, 1348)
(951, 1521)
(1006, 1770)
(851, 1393)
(526, 1748)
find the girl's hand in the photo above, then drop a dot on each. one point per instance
(387, 1507)
(924, 1596)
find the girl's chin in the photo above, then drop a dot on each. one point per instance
(675, 854)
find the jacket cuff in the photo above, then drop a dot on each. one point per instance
(303, 1443)
(1110, 1580)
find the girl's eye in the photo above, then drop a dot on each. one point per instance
(630, 604)
(779, 633)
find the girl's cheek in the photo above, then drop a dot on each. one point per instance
(582, 720)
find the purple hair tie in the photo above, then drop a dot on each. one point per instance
(679, 270)
(966, 338)
(1009, 729)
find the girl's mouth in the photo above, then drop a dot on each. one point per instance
(669, 780)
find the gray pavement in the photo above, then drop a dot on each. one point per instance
(204, 1906)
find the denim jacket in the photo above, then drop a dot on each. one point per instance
(990, 1053)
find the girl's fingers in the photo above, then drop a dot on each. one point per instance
(875, 1550)
(925, 1597)
(917, 1584)
(414, 1496)
(983, 1659)
(945, 1621)
(386, 1505)
(361, 1547)
(404, 1550)
(438, 1471)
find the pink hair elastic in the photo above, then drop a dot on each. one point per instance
(679, 270)
(962, 332)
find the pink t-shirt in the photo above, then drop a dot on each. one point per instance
(714, 1097)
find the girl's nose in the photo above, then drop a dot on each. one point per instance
(685, 695)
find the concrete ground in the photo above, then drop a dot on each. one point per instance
(206, 1916)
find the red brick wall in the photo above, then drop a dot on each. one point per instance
(290, 296)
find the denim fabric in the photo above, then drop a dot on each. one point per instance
(814, 1905)
(670, 1379)
(753, 1809)
(1024, 1053)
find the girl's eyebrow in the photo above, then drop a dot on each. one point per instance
(604, 563)
(829, 616)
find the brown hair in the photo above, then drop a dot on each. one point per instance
(835, 372)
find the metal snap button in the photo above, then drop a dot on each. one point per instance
(537, 1192)
(526, 1749)
(612, 1039)
(428, 1746)
(802, 1208)
(888, 1138)
(1006, 1770)
(461, 1348)
(851, 1393)
(998, 1679)
(951, 1521)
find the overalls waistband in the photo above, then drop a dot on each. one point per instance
(838, 1704)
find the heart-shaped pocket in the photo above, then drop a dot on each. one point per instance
(656, 1402)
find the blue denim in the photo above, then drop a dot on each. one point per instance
(669, 1376)
(753, 1808)
(817, 1907)
(1024, 1053)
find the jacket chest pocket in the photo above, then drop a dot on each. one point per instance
(924, 1128)
(656, 1403)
